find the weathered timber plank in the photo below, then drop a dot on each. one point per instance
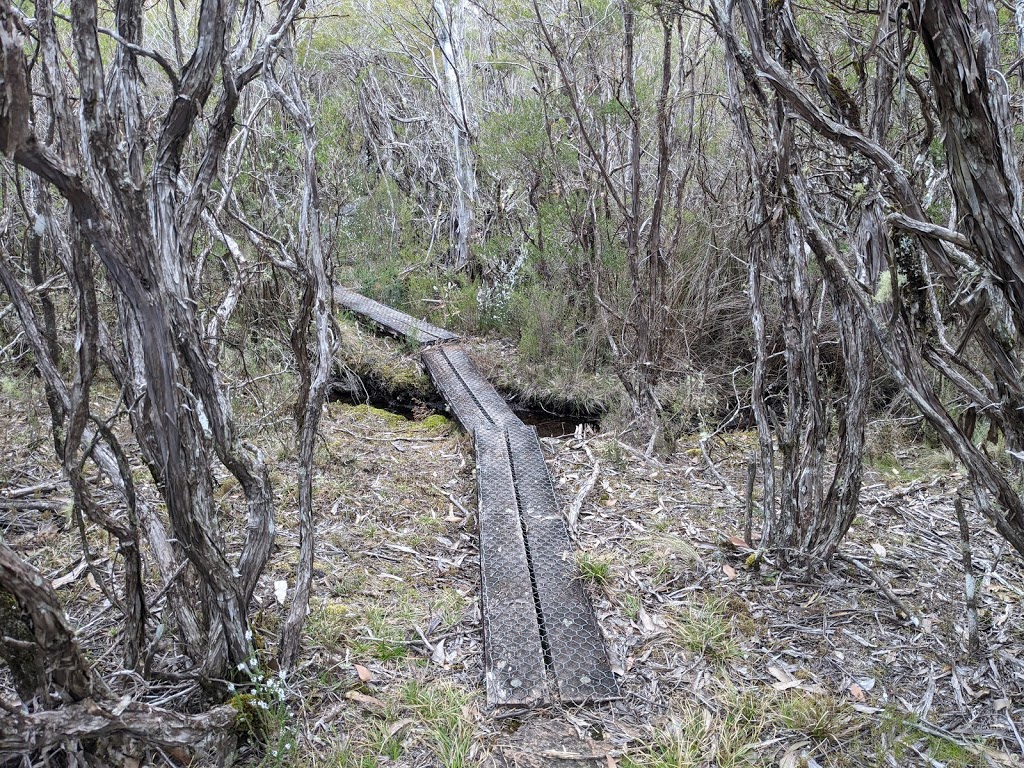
(533, 599)
(472, 399)
(515, 672)
(575, 644)
(391, 320)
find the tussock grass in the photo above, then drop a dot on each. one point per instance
(731, 727)
(442, 708)
(595, 570)
(705, 627)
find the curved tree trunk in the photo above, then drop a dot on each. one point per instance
(137, 193)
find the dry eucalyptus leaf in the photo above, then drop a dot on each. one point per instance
(364, 674)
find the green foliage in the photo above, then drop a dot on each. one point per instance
(263, 716)
(594, 569)
(442, 707)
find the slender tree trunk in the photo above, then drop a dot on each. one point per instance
(450, 35)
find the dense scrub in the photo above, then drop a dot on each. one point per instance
(679, 219)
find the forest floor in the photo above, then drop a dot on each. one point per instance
(723, 663)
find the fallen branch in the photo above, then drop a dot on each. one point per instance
(34, 505)
(883, 587)
(23, 732)
(31, 490)
(970, 582)
(407, 438)
(577, 504)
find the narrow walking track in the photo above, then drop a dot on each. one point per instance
(541, 637)
(391, 320)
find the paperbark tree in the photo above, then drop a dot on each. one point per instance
(889, 276)
(636, 176)
(807, 506)
(449, 32)
(139, 193)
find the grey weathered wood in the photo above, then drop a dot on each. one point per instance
(515, 672)
(391, 320)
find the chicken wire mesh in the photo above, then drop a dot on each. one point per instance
(391, 319)
(538, 620)
(574, 641)
(515, 671)
(469, 395)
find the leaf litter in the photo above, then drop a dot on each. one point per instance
(724, 661)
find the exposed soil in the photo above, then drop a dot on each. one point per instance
(724, 662)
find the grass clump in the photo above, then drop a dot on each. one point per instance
(330, 624)
(372, 631)
(441, 706)
(705, 628)
(594, 569)
(382, 637)
(631, 605)
(695, 736)
(819, 717)
(736, 728)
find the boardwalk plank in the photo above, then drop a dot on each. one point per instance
(535, 610)
(574, 640)
(391, 320)
(515, 672)
(472, 399)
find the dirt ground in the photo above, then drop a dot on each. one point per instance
(723, 662)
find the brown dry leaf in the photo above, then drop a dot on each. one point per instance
(729, 571)
(737, 542)
(652, 624)
(792, 757)
(371, 703)
(364, 674)
(858, 693)
(786, 680)
(612, 762)
(180, 755)
(399, 727)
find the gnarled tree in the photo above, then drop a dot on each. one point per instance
(125, 182)
(895, 271)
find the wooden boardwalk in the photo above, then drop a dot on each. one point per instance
(391, 320)
(541, 638)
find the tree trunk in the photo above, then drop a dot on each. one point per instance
(450, 36)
